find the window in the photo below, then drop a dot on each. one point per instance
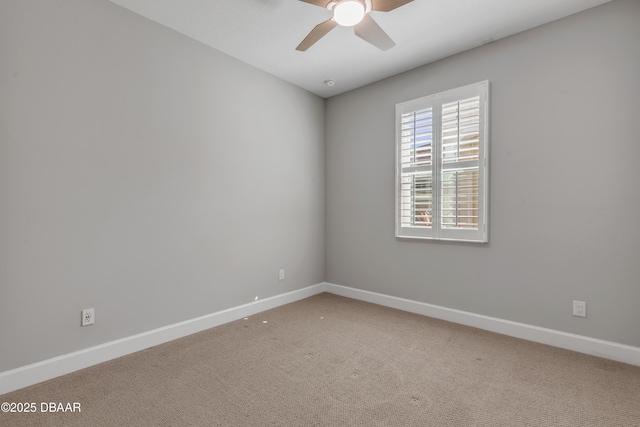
(442, 165)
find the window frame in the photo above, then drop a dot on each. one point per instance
(435, 102)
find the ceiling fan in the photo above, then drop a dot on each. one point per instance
(353, 13)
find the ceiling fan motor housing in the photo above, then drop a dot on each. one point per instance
(366, 3)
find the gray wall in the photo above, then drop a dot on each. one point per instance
(145, 175)
(565, 199)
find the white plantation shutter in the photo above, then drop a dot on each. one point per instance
(460, 163)
(442, 151)
(416, 163)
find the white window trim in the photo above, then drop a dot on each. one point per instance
(436, 101)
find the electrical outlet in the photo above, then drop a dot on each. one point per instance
(580, 308)
(281, 275)
(88, 316)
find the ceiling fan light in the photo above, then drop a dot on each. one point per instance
(348, 13)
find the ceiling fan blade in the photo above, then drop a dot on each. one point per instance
(316, 34)
(386, 5)
(321, 3)
(368, 30)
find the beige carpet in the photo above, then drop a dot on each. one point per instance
(333, 361)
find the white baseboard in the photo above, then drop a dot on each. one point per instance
(594, 347)
(47, 369)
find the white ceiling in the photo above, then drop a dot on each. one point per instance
(265, 33)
